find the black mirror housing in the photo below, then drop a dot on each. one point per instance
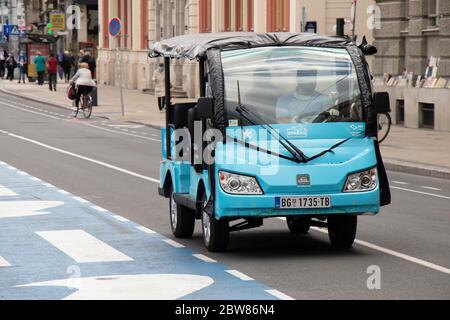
(381, 102)
(205, 108)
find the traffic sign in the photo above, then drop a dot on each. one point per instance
(115, 27)
(14, 31)
(9, 28)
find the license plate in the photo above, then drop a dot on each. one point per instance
(302, 202)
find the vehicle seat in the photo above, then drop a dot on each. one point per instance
(180, 114)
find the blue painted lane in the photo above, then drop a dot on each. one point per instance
(54, 245)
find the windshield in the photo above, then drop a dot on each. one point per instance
(292, 85)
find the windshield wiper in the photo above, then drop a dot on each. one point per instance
(298, 155)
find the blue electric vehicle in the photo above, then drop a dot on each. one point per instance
(285, 126)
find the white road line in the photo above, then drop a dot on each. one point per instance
(63, 192)
(48, 185)
(5, 192)
(4, 263)
(279, 295)
(421, 192)
(100, 163)
(61, 117)
(82, 246)
(396, 254)
(204, 258)
(123, 133)
(81, 200)
(30, 111)
(401, 183)
(19, 209)
(99, 209)
(23, 173)
(36, 179)
(431, 188)
(240, 275)
(120, 218)
(145, 230)
(173, 243)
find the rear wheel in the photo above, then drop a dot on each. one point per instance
(87, 106)
(299, 225)
(216, 233)
(342, 230)
(182, 219)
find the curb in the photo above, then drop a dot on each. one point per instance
(417, 168)
(34, 99)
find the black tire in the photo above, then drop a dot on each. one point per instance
(87, 104)
(342, 230)
(216, 233)
(384, 126)
(182, 219)
(299, 225)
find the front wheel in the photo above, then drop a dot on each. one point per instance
(182, 219)
(384, 126)
(342, 230)
(216, 233)
(299, 225)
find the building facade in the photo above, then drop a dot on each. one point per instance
(147, 21)
(411, 31)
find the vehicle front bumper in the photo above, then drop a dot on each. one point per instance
(263, 206)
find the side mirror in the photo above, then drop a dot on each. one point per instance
(369, 50)
(205, 108)
(381, 102)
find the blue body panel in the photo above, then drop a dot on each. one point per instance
(278, 177)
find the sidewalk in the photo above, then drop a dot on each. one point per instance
(139, 107)
(423, 152)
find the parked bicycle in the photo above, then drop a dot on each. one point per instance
(384, 126)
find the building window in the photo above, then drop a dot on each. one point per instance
(105, 23)
(278, 15)
(205, 16)
(433, 13)
(144, 24)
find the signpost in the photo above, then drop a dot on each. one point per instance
(115, 29)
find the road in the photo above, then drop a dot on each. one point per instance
(115, 166)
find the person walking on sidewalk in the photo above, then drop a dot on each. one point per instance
(67, 64)
(52, 70)
(22, 61)
(39, 61)
(3, 56)
(83, 82)
(11, 65)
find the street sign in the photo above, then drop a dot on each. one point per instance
(115, 27)
(311, 27)
(15, 31)
(9, 28)
(58, 20)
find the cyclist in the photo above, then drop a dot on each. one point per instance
(83, 82)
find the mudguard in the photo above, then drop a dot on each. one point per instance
(385, 190)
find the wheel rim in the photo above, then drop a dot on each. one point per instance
(173, 213)
(206, 226)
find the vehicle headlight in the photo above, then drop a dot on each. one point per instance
(239, 184)
(362, 181)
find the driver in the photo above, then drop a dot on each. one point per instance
(303, 100)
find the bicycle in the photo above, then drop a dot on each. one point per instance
(384, 126)
(86, 103)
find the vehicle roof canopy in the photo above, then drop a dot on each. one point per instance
(195, 46)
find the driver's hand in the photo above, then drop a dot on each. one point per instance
(334, 112)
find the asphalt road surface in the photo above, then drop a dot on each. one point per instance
(116, 166)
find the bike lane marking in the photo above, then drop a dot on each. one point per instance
(75, 252)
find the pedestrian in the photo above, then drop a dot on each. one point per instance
(90, 60)
(22, 61)
(67, 65)
(52, 70)
(60, 57)
(160, 86)
(78, 60)
(3, 56)
(39, 61)
(11, 65)
(83, 82)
